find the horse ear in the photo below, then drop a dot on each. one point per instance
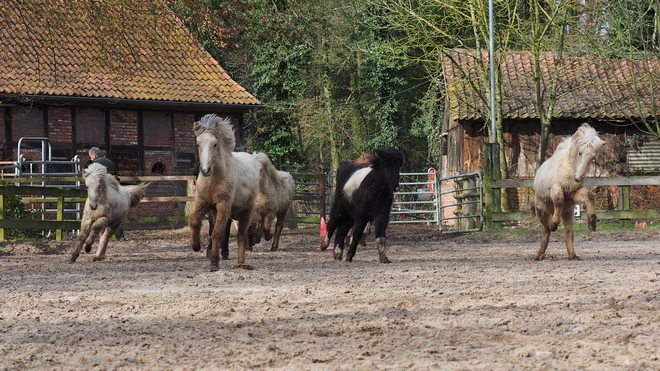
(216, 124)
(197, 128)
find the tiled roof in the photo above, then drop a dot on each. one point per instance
(128, 49)
(588, 87)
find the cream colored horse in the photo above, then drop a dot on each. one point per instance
(275, 197)
(227, 187)
(107, 205)
(559, 185)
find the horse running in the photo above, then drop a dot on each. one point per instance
(275, 197)
(227, 187)
(364, 194)
(107, 205)
(559, 185)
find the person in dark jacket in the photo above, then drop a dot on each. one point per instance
(96, 155)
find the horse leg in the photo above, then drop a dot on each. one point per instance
(544, 218)
(279, 225)
(224, 243)
(269, 221)
(221, 222)
(256, 230)
(567, 216)
(380, 225)
(242, 240)
(358, 230)
(584, 196)
(331, 227)
(557, 196)
(85, 230)
(195, 224)
(103, 241)
(340, 238)
(209, 243)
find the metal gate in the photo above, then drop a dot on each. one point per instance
(44, 165)
(461, 203)
(417, 199)
(415, 202)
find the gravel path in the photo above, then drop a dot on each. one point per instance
(470, 302)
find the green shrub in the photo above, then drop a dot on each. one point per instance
(15, 208)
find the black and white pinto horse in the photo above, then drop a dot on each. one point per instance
(364, 194)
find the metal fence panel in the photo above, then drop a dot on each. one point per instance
(461, 203)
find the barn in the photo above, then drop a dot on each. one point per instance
(615, 96)
(127, 77)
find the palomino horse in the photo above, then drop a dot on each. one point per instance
(275, 197)
(227, 187)
(559, 186)
(106, 207)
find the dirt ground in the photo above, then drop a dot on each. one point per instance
(446, 302)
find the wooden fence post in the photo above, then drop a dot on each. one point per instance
(322, 195)
(60, 216)
(492, 197)
(2, 216)
(624, 204)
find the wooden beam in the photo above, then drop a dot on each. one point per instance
(616, 181)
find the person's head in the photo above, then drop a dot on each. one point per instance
(95, 152)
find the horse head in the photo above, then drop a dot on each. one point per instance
(215, 138)
(97, 189)
(585, 146)
(390, 160)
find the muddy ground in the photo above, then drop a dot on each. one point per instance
(446, 302)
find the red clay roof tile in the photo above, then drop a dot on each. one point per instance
(133, 49)
(587, 87)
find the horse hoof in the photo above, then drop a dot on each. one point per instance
(214, 267)
(98, 258)
(88, 249)
(592, 228)
(243, 266)
(273, 249)
(73, 260)
(225, 257)
(325, 242)
(540, 257)
(553, 227)
(196, 248)
(575, 257)
(385, 260)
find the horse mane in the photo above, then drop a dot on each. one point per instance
(387, 157)
(267, 166)
(95, 169)
(221, 128)
(586, 136)
(365, 159)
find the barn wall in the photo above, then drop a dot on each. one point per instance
(165, 142)
(465, 139)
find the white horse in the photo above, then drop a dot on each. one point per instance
(227, 187)
(559, 185)
(106, 207)
(275, 197)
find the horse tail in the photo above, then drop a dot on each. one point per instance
(137, 192)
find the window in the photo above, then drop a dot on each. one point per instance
(158, 168)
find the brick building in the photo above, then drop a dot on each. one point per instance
(127, 77)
